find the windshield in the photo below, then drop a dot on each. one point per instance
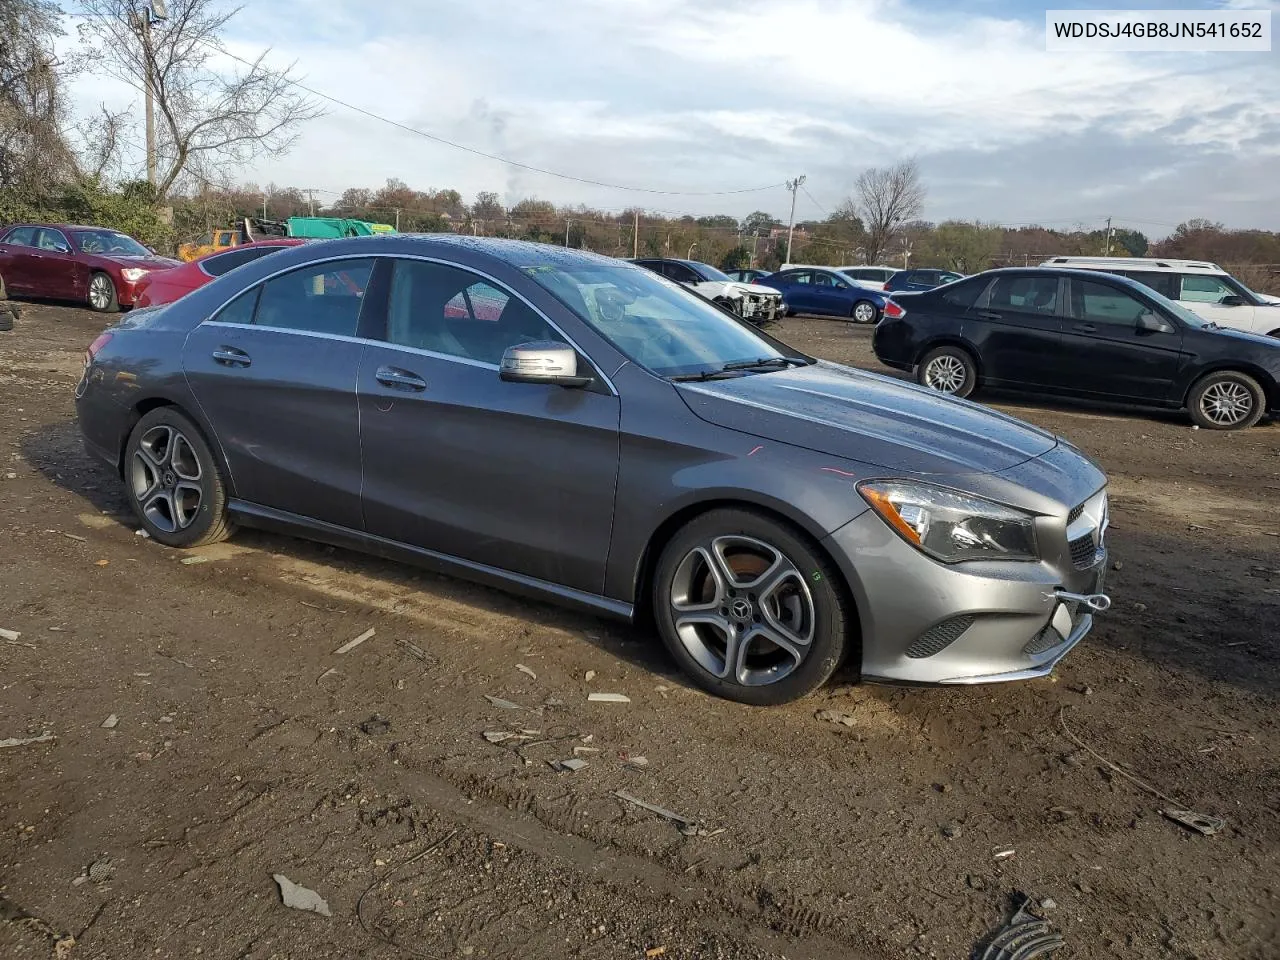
(658, 324)
(709, 272)
(109, 242)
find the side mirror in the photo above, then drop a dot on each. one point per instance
(545, 361)
(1150, 323)
(1232, 300)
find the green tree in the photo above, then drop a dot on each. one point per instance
(738, 258)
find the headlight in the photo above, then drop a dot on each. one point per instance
(951, 525)
(133, 273)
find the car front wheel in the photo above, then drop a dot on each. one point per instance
(174, 482)
(949, 370)
(102, 294)
(749, 609)
(864, 311)
(1227, 400)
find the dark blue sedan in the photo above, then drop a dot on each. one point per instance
(822, 291)
(923, 279)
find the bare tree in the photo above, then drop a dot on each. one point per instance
(99, 141)
(884, 198)
(208, 115)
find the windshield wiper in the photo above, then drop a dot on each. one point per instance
(765, 362)
(705, 375)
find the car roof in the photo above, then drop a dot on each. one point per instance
(514, 253)
(65, 226)
(1139, 263)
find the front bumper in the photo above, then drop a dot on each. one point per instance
(760, 307)
(927, 622)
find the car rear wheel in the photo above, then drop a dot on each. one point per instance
(864, 311)
(749, 609)
(174, 482)
(948, 370)
(1226, 400)
(102, 294)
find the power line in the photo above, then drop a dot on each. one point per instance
(493, 156)
(813, 201)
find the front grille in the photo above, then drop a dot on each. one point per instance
(938, 637)
(1046, 639)
(1084, 552)
(1075, 514)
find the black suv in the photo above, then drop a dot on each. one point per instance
(1077, 333)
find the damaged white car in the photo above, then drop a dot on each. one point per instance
(751, 301)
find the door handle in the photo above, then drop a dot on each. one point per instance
(231, 357)
(1085, 328)
(990, 315)
(398, 379)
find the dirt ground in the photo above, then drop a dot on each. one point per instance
(246, 747)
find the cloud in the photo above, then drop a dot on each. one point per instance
(708, 95)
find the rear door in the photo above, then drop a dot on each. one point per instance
(1017, 328)
(516, 476)
(275, 374)
(1107, 354)
(17, 255)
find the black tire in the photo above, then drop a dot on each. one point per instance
(108, 302)
(1226, 400)
(863, 306)
(724, 303)
(166, 461)
(807, 601)
(948, 365)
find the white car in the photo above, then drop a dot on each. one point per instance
(1202, 287)
(751, 301)
(873, 277)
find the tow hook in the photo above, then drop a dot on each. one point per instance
(1097, 602)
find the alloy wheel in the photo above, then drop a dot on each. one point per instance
(742, 610)
(864, 312)
(165, 478)
(945, 374)
(100, 291)
(1227, 403)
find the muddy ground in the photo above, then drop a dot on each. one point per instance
(245, 747)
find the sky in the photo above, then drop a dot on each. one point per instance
(695, 100)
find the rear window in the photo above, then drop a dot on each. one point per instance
(963, 295)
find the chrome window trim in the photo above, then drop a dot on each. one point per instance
(498, 285)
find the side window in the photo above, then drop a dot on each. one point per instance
(240, 310)
(803, 276)
(1199, 289)
(964, 295)
(53, 240)
(324, 298)
(681, 274)
(1163, 283)
(222, 263)
(823, 280)
(22, 237)
(453, 312)
(1100, 303)
(1026, 294)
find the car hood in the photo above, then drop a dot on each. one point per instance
(1269, 300)
(870, 418)
(144, 263)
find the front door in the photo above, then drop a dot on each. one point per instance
(515, 476)
(1017, 330)
(275, 372)
(1106, 352)
(830, 295)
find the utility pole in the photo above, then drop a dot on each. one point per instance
(794, 186)
(1108, 253)
(755, 239)
(264, 206)
(311, 196)
(148, 14)
(635, 234)
(567, 221)
(397, 219)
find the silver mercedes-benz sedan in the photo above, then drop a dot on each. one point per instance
(577, 428)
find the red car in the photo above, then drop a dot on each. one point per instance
(94, 265)
(165, 286)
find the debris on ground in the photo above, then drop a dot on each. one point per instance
(10, 635)
(300, 898)
(111, 722)
(1025, 937)
(590, 675)
(26, 741)
(103, 563)
(1004, 854)
(331, 670)
(10, 912)
(655, 952)
(836, 716)
(142, 533)
(375, 725)
(573, 765)
(352, 644)
(414, 649)
(586, 750)
(526, 671)
(951, 830)
(190, 560)
(502, 704)
(102, 870)
(76, 537)
(687, 826)
(608, 698)
(1199, 822)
